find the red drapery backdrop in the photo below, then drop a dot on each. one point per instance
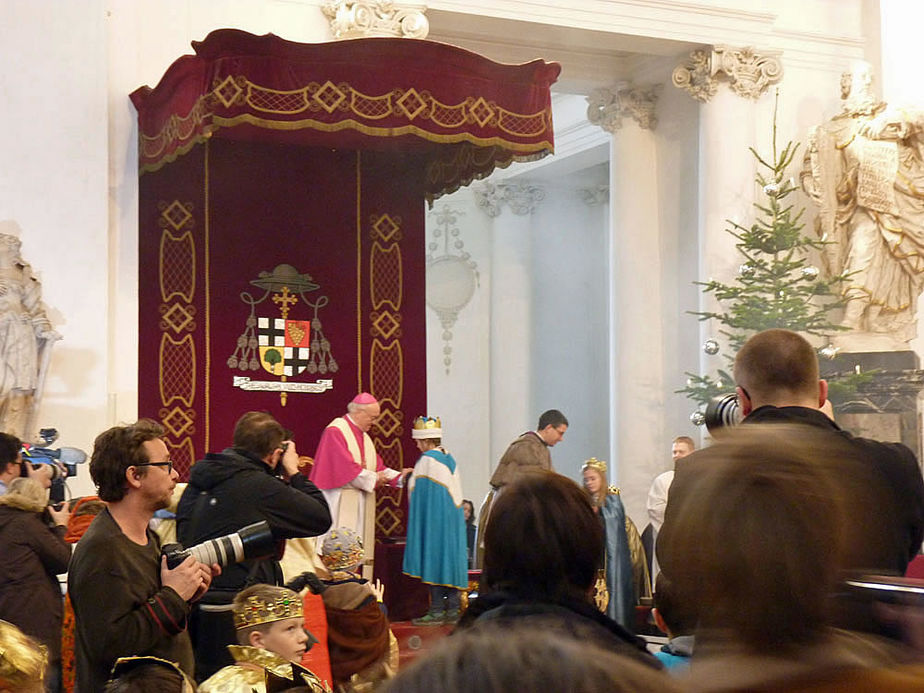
(282, 252)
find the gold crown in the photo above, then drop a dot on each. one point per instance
(427, 427)
(342, 548)
(422, 423)
(256, 611)
(598, 465)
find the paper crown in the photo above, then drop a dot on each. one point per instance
(598, 465)
(364, 398)
(342, 548)
(427, 427)
(256, 611)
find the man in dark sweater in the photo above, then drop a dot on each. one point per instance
(126, 601)
(256, 479)
(776, 372)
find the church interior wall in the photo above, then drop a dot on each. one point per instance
(72, 194)
(460, 392)
(54, 195)
(569, 333)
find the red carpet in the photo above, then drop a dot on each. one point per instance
(414, 641)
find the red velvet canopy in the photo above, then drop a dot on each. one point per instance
(469, 114)
(282, 227)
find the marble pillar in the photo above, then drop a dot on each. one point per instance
(511, 207)
(637, 386)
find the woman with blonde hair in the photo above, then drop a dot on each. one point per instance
(625, 569)
(34, 554)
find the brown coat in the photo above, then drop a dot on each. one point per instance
(528, 451)
(32, 556)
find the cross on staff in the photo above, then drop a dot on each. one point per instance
(284, 299)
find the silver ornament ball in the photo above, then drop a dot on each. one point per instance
(711, 347)
(810, 272)
(697, 418)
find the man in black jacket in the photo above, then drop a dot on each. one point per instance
(776, 372)
(256, 479)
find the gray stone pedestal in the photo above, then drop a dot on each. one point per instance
(885, 408)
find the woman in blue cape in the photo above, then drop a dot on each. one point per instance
(618, 564)
(436, 549)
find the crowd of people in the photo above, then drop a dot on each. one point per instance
(779, 555)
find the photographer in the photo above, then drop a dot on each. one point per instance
(126, 600)
(34, 553)
(256, 479)
(12, 465)
(776, 372)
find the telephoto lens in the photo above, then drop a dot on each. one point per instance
(721, 412)
(252, 541)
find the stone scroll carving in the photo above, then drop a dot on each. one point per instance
(608, 106)
(520, 198)
(365, 18)
(747, 72)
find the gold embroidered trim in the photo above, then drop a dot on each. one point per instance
(327, 98)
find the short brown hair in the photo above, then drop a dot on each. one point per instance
(10, 447)
(686, 440)
(259, 433)
(542, 538)
(759, 538)
(116, 450)
(777, 362)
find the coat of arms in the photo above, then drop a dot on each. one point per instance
(285, 346)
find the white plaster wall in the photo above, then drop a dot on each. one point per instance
(569, 332)
(900, 77)
(462, 396)
(53, 192)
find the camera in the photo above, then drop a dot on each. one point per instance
(721, 412)
(252, 541)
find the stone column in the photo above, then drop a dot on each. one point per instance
(636, 376)
(511, 207)
(729, 82)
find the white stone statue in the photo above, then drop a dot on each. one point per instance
(26, 337)
(864, 169)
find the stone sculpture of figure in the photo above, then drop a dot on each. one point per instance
(864, 169)
(25, 334)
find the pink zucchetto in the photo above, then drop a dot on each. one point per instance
(364, 398)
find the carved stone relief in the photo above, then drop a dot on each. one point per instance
(747, 72)
(365, 18)
(520, 198)
(608, 106)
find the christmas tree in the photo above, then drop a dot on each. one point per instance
(776, 285)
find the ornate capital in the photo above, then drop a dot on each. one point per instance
(747, 72)
(695, 76)
(521, 198)
(364, 18)
(607, 107)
